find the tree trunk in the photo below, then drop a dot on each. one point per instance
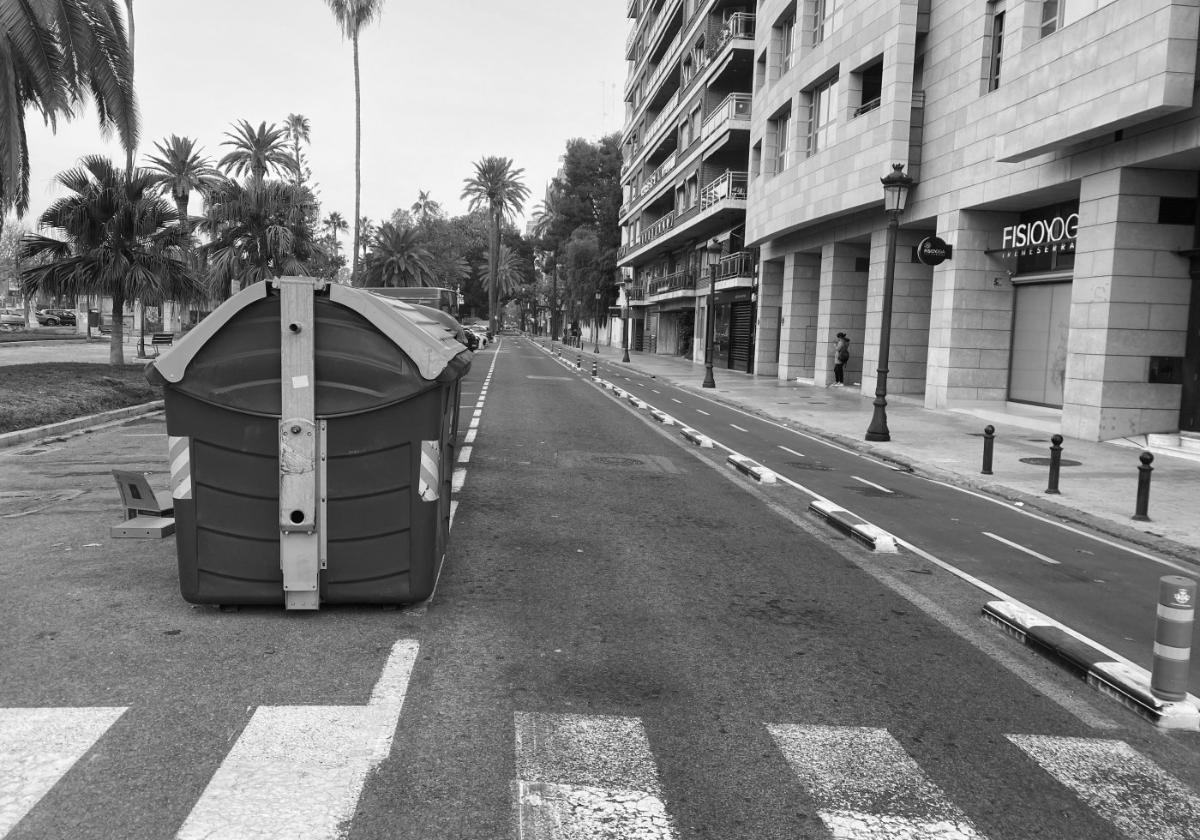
(357, 164)
(494, 262)
(116, 343)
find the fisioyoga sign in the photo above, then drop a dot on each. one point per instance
(1055, 231)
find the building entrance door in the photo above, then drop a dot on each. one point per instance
(1189, 398)
(1039, 343)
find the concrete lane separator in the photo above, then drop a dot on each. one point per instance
(1105, 671)
(703, 441)
(662, 417)
(751, 468)
(870, 535)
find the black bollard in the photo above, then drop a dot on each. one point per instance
(578, 360)
(1055, 457)
(1143, 497)
(989, 441)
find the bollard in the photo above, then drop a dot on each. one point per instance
(595, 369)
(1173, 637)
(989, 441)
(1141, 514)
(1055, 457)
(578, 360)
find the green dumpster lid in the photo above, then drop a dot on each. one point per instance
(418, 335)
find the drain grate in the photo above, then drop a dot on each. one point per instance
(1045, 462)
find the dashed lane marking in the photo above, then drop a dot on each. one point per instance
(791, 451)
(879, 487)
(702, 411)
(1020, 547)
(735, 426)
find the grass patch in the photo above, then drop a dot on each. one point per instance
(49, 392)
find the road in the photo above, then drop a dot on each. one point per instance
(628, 639)
(1101, 587)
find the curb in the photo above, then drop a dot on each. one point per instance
(870, 535)
(1121, 680)
(752, 468)
(79, 424)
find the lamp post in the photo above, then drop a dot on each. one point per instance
(596, 337)
(895, 192)
(713, 251)
(625, 328)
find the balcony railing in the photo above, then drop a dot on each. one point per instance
(731, 185)
(657, 175)
(657, 229)
(673, 282)
(739, 25)
(629, 42)
(635, 293)
(631, 8)
(738, 264)
(736, 106)
(663, 118)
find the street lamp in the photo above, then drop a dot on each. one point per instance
(713, 250)
(625, 328)
(596, 337)
(895, 192)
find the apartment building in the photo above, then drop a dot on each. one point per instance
(684, 178)
(1055, 146)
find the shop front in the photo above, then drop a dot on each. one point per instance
(1039, 251)
(733, 331)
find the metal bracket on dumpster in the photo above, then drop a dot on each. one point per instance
(300, 449)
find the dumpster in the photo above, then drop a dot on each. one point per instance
(311, 431)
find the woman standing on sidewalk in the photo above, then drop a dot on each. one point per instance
(841, 355)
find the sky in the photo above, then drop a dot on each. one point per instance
(444, 83)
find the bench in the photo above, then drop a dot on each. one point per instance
(162, 340)
(105, 330)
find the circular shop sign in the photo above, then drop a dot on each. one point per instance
(932, 250)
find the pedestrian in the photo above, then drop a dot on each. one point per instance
(841, 355)
(576, 333)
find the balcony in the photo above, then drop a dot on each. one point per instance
(663, 118)
(733, 112)
(739, 25)
(629, 42)
(657, 175)
(635, 293)
(631, 8)
(738, 264)
(673, 282)
(731, 185)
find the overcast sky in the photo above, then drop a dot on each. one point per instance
(444, 83)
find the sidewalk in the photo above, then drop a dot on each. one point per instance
(1097, 481)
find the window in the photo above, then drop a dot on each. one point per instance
(1050, 17)
(822, 119)
(756, 160)
(826, 17)
(1059, 13)
(693, 190)
(870, 82)
(781, 128)
(995, 44)
(786, 30)
(696, 122)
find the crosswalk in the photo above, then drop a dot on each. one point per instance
(297, 772)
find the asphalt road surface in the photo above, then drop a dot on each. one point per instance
(628, 640)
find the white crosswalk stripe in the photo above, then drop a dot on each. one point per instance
(296, 771)
(38, 747)
(585, 777)
(867, 787)
(1120, 784)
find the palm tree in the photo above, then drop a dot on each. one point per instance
(369, 230)
(257, 152)
(52, 59)
(424, 207)
(352, 16)
(511, 273)
(180, 168)
(118, 239)
(258, 231)
(497, 186)
(334, 225)
(298, 129)
(399, 259)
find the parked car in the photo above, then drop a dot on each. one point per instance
(481, 333)
(55, 317)
(11, 319)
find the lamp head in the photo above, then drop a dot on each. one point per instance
(713, 250)
(895, 189)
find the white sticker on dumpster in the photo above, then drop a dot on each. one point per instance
(299, 382)
(427, 483)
